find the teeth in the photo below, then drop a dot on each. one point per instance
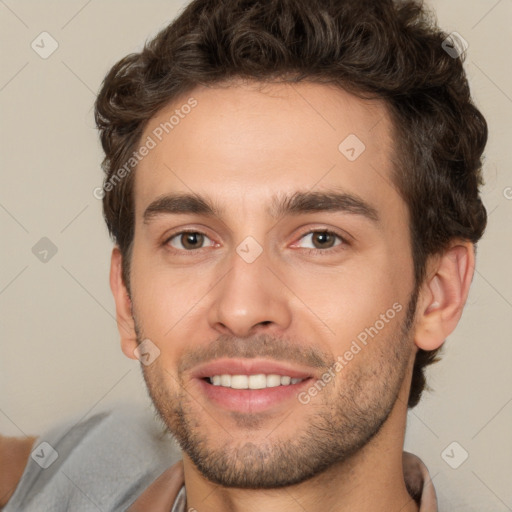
(239, 381)
(259, 381)
(273, 381)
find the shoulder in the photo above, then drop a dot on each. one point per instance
(101, 460)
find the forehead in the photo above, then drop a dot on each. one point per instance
(248, 141)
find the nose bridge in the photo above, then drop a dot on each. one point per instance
(249, 294)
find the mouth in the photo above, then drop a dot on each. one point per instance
(250, 386)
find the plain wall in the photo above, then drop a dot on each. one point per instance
(60, 353)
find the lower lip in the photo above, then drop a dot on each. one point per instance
(250, 400)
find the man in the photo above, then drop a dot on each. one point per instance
(292, 188)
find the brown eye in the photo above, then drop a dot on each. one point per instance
(322, 239)
(188, 240)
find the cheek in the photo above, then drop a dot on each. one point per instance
(166, 301)
(351, 297)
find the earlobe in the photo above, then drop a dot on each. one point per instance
(443, 295)
(124, 318)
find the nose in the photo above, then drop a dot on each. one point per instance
(250, 298)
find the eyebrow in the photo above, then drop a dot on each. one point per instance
(297, 203)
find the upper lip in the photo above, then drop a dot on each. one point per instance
(248, 367)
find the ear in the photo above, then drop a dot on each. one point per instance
(124, 318)
(443, 294)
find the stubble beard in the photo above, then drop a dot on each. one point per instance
(338, 426)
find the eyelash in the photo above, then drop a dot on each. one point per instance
(327, 251)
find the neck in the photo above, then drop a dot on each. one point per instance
(372, 479)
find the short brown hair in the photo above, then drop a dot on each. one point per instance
(385, 49)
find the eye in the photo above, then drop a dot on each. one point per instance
(187, 240)
(323, 240)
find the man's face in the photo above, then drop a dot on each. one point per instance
(250, 291)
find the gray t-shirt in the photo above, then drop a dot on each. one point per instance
(97, 464)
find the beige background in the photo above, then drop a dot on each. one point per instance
(59, 353)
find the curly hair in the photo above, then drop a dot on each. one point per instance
(383, 49)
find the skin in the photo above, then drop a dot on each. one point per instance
(14, 454)
(241, 145)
